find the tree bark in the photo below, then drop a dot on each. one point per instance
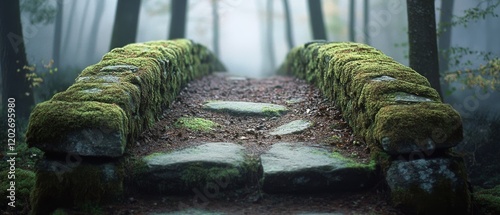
(422, 40)
(215, 15)
(316, 17)
(92, 44)
(288, 23)
(352, 21)
(13, 59)
(444, 38)
(126, 19)
(69, 31)
(178, 21)
(366, 21)
(270, 28)
(82, 27)
(57, 35)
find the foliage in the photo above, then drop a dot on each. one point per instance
(476, 13)
(485, 76)
(40, 11)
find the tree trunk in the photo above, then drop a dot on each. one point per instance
(12, 60)
(444, 38)
(270, 47)
(57, 35)
(69, 31)
(178, 20)
(422, 40)
(352, 21)
(288, 21)
(316, 16)
(366, 21)
(215, 15)
(92, 42)
(126, 19)
(82, 27)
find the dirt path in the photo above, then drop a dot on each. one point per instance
(303, 101)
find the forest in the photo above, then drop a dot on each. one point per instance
(46, 44)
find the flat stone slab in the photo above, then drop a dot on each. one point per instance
(293, 127)
(211, 166)
(295, 168)
(246, 108)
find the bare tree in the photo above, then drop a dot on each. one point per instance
(92, 42)
(270, 28)
(126, 19)
(56, 51)
(444, 37)
(215, 15)
(316, 17)
(288, 21)
(178, 21)
(422, 40)
(366, 21)
(352, 20)
(82, 25)
(13, 60)
(67, 35)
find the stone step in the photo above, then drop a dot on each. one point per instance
(287, 168)
(210, 166)
(295, 168)
(246, 108)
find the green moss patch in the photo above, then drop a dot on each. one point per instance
(196, 124)
(24, 182)
(487, 201)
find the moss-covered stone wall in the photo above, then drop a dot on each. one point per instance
(396, 111)
(113, 101)
(84, 130)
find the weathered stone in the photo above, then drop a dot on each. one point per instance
(120, 68)
(211, 166)
(430, 186)
(407, 97)
(384, 78)
(295, 100)
(75, 181)
(246, 108)
(292, 167)
(82, 128)
(102, 78)
(293, 127)
(403, 129)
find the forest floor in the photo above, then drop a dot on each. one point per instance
(303, 101)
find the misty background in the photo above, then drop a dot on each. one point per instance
(244, 48)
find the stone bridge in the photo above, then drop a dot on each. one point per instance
(86, 130)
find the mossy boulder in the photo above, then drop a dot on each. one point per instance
(430, 186)
(210, 166)
(75, 183)
(117, 98)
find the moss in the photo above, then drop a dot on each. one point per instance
(51, 120)
(82, 185)
(446, 197)
(487, 201)
(271, 111)
(24, 182)
(435, 121)
(196, 124)
(197, 175)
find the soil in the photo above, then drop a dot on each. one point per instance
(329, 131)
